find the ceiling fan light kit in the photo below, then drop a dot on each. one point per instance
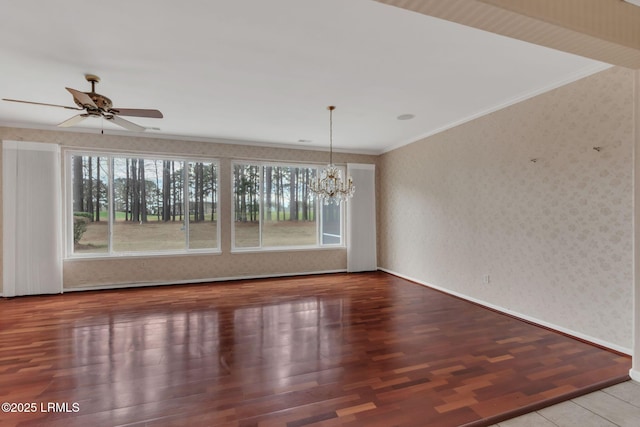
(97, 105)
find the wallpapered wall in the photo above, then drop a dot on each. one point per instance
(100, 272)
(554, 236)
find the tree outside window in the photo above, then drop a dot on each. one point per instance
(274, 207)
(141, 204)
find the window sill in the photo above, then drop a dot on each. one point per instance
(144, 255)
(286, 249)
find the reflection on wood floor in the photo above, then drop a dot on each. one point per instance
(365, 349)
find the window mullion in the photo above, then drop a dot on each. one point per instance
(186, 201)
(318, 218)
(110, 207)
(261, 177)
(69, 196)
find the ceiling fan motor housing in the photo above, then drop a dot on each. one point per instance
(104, 104)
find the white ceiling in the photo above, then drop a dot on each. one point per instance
(264, 71)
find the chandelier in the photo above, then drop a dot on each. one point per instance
(329, 186)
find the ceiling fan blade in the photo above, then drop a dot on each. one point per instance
(73, 120)
(41, 103)
(125, 123)
(82, 98)
(137, 112)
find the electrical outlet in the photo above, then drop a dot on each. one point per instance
(486, 279)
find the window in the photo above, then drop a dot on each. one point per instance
(246, 188)
(274, 207)
(124, 204)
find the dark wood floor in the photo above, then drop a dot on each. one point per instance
(350, 350)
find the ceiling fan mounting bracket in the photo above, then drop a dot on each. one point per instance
(103, 103)
(92, 78)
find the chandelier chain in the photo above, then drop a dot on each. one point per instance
(331, 134)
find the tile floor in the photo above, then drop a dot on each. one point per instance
(618, 405)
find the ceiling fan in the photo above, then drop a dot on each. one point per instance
(96, 105)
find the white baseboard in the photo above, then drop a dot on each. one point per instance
(635, 375)
(194, 281)
(522, 316)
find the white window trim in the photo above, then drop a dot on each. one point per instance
(68, 205)
(260, 249)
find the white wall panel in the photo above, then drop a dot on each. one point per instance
(32, 261)
(361, 219)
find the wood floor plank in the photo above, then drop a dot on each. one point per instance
(366, 349)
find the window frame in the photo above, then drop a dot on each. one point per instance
(69, 252)
(318, 206)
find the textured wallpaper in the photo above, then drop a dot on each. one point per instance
(554, 235)
(100, 272)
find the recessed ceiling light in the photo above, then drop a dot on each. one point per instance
(406, 116)
(304, 140)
